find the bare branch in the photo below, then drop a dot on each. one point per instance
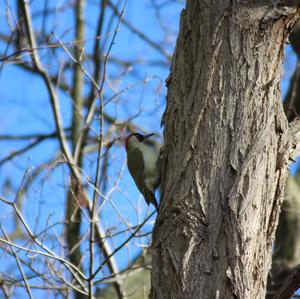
(53, 96)
(18, 263)
(290, 286)
(123, 244)
(140, 34)
(49, 253)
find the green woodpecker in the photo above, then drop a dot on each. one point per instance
(143, 165)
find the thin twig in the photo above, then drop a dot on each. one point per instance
(91, 112)
(30, 136)
(140, 34)
(22, 150)
(123, 244)
(18, 263)
(85, 72)
(49, 256)
(100, 140)
(41, 287)
(49, 253)
(52, 94)
(290, 285)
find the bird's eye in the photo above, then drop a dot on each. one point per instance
(139, 137)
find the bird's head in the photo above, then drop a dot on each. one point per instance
(136, 138)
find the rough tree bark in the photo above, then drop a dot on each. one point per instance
(227, 147)
(286, 249)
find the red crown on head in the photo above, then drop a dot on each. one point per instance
(127, 140)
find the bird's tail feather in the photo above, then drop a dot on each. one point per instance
(150, 198)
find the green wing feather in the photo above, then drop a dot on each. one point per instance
(136, 166)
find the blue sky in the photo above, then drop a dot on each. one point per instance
(25, 109)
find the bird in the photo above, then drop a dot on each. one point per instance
(144, 164)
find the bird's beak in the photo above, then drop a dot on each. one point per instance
(148, 135)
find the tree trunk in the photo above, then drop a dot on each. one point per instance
(227, 144)
(73, 213)
(286, 247)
